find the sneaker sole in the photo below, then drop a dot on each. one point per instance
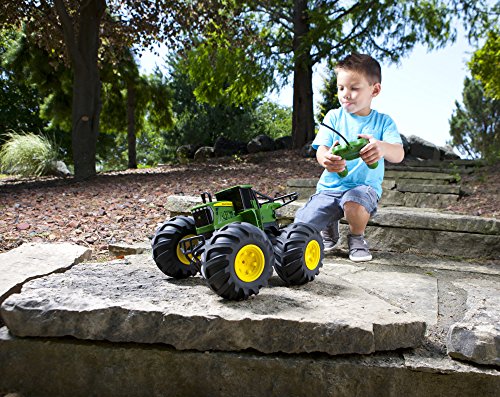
(360, 258)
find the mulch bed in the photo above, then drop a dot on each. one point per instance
(128, 206)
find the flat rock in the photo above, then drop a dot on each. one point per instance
(116, 369)
(33, 260)
(122, 248)
(477, 337)
(414, 293)
(134, 302)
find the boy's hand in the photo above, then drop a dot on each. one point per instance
(372, 152)
(328, 160)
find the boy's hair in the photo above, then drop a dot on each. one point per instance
(363, 64)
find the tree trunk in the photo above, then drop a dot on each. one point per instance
(81, 36)
(85, 113)
(303, 113)
(131, 138)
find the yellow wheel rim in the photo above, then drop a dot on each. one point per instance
(312, 255)
(249, 263)
(183, 258)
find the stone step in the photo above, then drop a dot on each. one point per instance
(129, 323)
(400, 229)
(401, 188)
(134, 302)
(65, 367)
(33, 260)
(450, 166)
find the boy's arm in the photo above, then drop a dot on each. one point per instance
(392, 152)
(329, 161)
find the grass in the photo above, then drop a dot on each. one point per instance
(27, 154)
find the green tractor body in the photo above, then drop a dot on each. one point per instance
(235, 242)
(236, 204)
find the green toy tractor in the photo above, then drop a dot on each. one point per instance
(235, 241)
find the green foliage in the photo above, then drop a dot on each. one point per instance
(475, 125)
(19, 101)
(273, 119)
(51, 84)
(329, 95)
(28, 154)
(202, 123)
(485, 63)
(222, 73)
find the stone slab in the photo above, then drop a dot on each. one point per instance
(32, 260)
(417, 200)
(394, 217)
(432, 242)
(135, 302)
(48, 368)
(122, 248)
(420, 175)
(427, 188)
(477, 337)
(415, 293)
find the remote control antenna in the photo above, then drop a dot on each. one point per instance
(338, 133)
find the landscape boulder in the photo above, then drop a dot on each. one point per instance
(422, 149)
(227, 147)
(186, 152)
(203, 153)
(284, 142)
(261, 143)
(307, 150)
(406, 144)
(447, 153)
(59, 168)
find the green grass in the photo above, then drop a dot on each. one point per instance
(27, 154)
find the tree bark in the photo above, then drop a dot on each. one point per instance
(303, 113)
(81, 36)
(131, 136)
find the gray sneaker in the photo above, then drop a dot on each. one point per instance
(358, 248)
(330, 236)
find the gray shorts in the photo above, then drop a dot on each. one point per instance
(327, 206)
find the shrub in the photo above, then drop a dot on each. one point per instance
(28, 154)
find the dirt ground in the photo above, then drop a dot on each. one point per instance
(127, 206)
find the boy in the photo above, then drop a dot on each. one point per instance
(356, 195)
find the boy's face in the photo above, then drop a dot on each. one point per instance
(355, 92)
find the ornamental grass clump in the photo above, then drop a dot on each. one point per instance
(27, 154)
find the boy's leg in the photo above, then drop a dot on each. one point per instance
(320, 210)
(359, 204)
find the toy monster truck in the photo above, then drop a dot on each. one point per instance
(235, 242)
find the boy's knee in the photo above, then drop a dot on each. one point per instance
(354, 207)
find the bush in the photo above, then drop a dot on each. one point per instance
(28, 154)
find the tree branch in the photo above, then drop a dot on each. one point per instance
(68, 31)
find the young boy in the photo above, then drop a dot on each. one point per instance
(356, 195)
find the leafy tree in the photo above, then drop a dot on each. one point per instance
(295, 35)
(485, 62)
(84, 33)
(329, 95)
(19, 102)
(127, 98)
(475, 125)
(202, 123)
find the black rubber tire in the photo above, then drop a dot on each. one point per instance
(290, 253)
(219, 260)
(165, 247)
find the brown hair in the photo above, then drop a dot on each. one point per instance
(363, 64)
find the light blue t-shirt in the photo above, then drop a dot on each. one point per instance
(380, 125)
